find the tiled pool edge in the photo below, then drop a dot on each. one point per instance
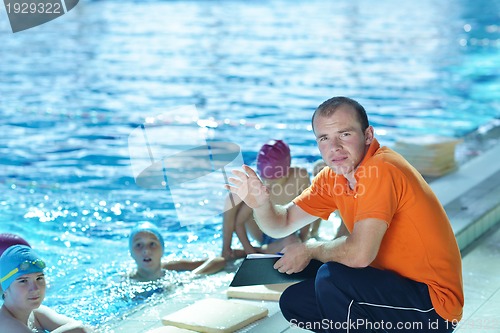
(471, 196)
(476, 229)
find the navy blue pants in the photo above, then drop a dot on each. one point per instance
(344, 299)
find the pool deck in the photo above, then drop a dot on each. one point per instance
(471, 197)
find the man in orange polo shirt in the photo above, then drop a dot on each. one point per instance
(399, 270)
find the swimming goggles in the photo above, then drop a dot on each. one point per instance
(24, 267)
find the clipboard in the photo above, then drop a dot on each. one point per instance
(258, 269)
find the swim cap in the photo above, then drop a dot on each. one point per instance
(7, 240)
(16, 261)
(273, 160)
(146, 227)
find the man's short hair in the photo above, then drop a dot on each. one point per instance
(328, 107)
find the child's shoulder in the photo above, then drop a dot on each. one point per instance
(8, 321)
(13, 325)
(298, 172)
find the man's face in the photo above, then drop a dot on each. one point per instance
(341, 141)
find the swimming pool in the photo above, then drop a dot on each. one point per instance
(72, 90)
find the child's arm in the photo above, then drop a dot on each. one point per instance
(206, 266)
(303, 181)
(243, 219)
(54, 322)
(232, 207)
(182, 265)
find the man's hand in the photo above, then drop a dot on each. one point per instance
(296, 257)
(248, 187)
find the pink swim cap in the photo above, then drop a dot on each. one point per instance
(7, 240)
(273, 160)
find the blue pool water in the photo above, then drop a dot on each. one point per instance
(72, 90)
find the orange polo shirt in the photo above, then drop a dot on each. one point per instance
(419, 243)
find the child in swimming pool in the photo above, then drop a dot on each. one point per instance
(146, 248)
(23, 284)
(284, 183)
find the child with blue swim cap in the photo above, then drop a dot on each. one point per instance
(18, 260)
(7, 240)
(23, 285)
(147, 246)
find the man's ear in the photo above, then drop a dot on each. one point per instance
(369, 135)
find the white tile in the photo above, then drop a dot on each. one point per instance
(481, 276)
